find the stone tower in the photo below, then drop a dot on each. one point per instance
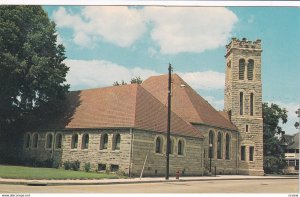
(243, 101)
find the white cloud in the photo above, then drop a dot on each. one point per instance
(190, 29)
(204, 80)
(174, 29)
(117, 24)
(289, 127)
(100, 73)
(217, 104)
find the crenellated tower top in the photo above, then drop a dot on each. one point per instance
(243, 44)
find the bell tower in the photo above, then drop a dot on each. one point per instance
(243, 101)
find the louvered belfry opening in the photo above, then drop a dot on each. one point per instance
(250, 69)
(241, 69)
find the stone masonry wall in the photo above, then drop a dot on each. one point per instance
(223, 166)
(236, 50)
(92, 155)
(144, 143)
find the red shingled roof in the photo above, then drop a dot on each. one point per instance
(186, 102)
(120, 106)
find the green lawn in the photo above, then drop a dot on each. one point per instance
(21, 172)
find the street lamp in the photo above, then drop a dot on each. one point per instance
(210, 156)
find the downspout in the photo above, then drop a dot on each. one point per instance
(202, 157)
(52, 150)
(237, 150)
(131, 147)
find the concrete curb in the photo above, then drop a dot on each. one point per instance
(128, 181)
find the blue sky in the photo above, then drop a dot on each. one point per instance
(105, 44)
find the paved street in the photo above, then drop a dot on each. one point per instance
(213, 186)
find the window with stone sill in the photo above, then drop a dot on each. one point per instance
(219, 146)
(227, 147)
(116, 142)
(85, 141)
(74, 142)
(180, 147)
(211, 142)
(243, 153)
(49, 141)
(158, 145)
(35, 140)
(104, 141)
(27, 140)
(251, 153)
(172, 146)
(58, 141)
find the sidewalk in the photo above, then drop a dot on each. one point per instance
(137, 180)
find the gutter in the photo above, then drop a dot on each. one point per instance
(130, 155)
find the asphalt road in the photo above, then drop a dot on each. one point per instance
(224, 186)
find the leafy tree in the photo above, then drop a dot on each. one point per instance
(116, 83)
(273, 151)
(137, 80)
(32, 72)
(297, 123)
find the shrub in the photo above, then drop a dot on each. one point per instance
(67, 165)
(121, 173)
(87, 167)
(76, 165)
(48, 163)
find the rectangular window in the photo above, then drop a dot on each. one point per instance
(251, 104)
(241, 103)
(247, 128)
(114, 168)
(101, 167)
(291, 163)
(243, 153)
(251, 153)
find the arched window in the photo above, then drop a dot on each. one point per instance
(104, 141)
(227, 148)
(172, 145)
(241, 103)
(158, 145)
(35, 140)
(250, 69)
(58, 141)
(211, 144)
(241, 69)
(49, 141)
(27, 140)
(251, 103)
(74, 143)
(180, 147)
(85, 141)
(116, 142)
(219, 146)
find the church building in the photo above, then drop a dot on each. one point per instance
(123, 128)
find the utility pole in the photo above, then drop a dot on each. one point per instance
(169, 124)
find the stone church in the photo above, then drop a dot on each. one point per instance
(123, 128)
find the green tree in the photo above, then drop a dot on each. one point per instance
(32, 72)
(297, 123)
(273, 151)
(137, 80)
(116, 83)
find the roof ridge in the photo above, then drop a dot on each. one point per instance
(178, 116)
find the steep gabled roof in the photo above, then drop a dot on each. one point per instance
(186, 102)
(119, 106)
